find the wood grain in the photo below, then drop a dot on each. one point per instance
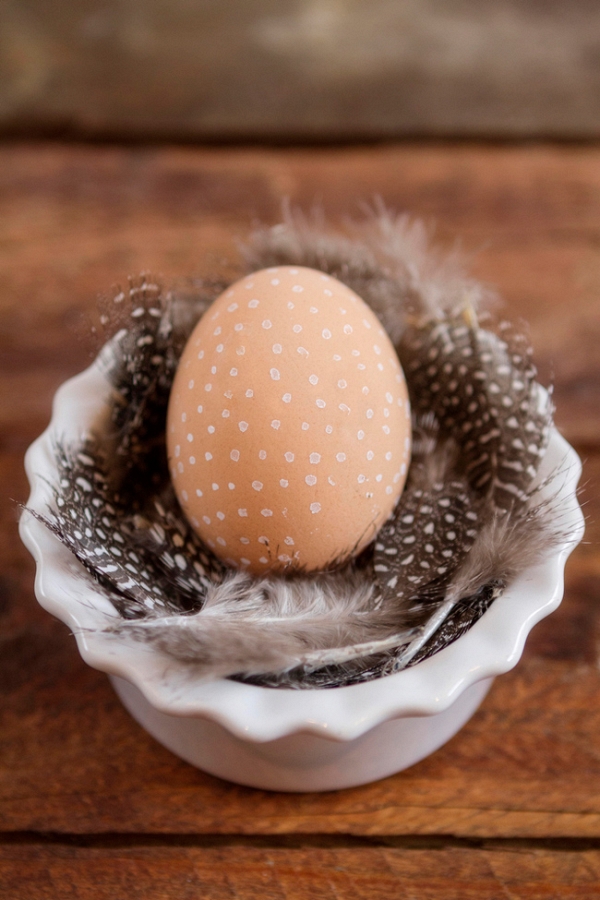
(318, 71)
(76, 220)
(73, 221)
(229, 872)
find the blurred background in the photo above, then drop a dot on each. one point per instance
(300, 70)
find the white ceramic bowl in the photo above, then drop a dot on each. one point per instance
(287, 740)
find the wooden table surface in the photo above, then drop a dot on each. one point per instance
(90, 805)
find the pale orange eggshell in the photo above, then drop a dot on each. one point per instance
(288, 426)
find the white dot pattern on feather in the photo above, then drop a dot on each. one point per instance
(490, 402)
(418, 525)
(291, 419)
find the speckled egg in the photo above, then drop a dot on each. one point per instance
(288, 427)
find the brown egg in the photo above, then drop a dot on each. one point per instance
(289, 425)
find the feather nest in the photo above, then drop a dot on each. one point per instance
(465, 526)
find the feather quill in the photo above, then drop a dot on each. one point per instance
(274, 625)
(504, 547)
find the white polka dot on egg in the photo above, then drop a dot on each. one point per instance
(301, 425)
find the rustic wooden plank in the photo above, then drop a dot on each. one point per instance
(283, 69)
(37, 872)
(75, 220)
(72, 221)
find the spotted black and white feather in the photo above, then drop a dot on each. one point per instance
(481, 388)
(505, 545)
(151, 563)
(152, 327)
(433, 526)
